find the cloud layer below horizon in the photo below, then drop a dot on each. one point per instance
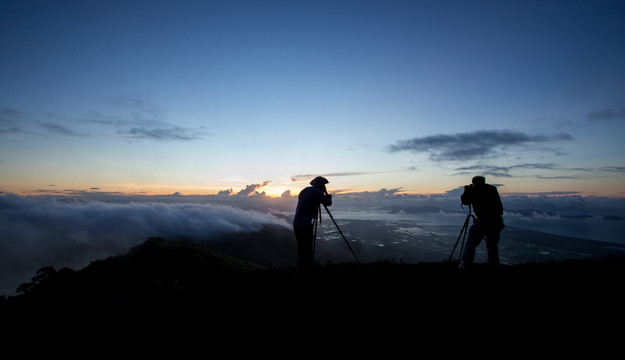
(72, 231)
(42, 231)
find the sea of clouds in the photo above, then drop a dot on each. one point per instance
(72, 231)
(41, 231)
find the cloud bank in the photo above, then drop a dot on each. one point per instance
(42, 231)
(76, 228)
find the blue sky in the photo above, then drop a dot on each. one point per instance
(198, 97)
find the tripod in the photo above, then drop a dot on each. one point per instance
(463, 234)
(337, 227)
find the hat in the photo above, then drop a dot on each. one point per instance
(319, 181)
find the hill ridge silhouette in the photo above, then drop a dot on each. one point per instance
(177, 279)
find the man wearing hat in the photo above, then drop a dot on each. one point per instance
(306, 213)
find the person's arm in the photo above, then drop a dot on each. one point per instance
(498, 203)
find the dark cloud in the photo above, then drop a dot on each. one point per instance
(606, 115)
(251, 189)
(389, 192)
(468, 146)
(132, 116)
(368, 195)
(9, 113)
(144, 120)
(620, 169)
(501, 171)
(148, 129)
(507, 171)
(58, 129)
(138, 106)
(9, 120)
(546, 193)
(16, 121)
(556, 177)
(141, 122)
(162, 132)
(7, 128)
(226, 192)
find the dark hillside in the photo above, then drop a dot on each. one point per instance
(165, 281)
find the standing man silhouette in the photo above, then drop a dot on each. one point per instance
(489, 223)
(306, 213)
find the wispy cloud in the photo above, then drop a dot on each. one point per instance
(138, 122)
(508, 171)
(6, 112)
(473, 145)
(502, 171)
(305, 177)
(144, 120)
(140, 108)
(14, 121)
(556, 177)
(58, 129)
(619, 169)
(545, 193)
(161, 132)
(147, 129)
(9, 120)
(606, 115)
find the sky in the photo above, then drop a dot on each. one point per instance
(208, 97)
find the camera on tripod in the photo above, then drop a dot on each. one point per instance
(467, 196)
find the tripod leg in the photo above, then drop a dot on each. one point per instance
(455, 245)
(340, 232)
(314, 242)
(464, 237)
(463, 230)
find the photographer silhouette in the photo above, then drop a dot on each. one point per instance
(306, 214)
(489, 222)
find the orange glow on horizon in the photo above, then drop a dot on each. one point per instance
(272, 191)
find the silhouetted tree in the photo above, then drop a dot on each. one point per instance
(42, 274)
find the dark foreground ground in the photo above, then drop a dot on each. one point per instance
(172, 287)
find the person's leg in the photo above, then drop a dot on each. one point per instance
(304, 236)
(475, 236)
(492, 248)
